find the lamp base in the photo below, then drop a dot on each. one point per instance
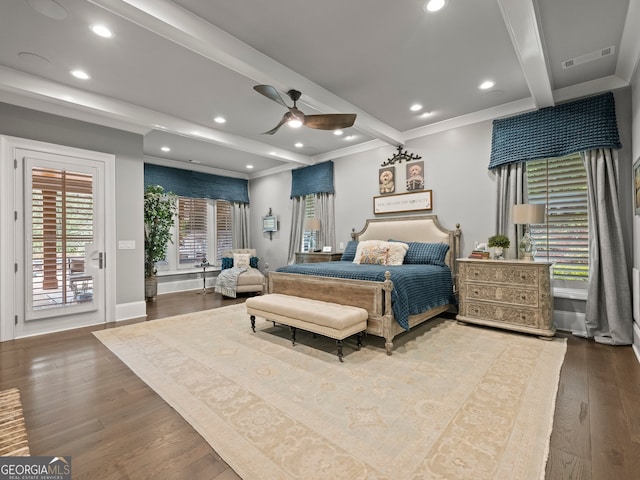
(526, 256)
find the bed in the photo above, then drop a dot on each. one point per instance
(393, 301)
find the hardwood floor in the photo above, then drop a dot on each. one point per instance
(80, 400)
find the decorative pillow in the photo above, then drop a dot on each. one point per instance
(350, 251)
(253, 262)
(241, 259)
(374, 255)
(397, 252)
(227, 262)
(366, 244)
(427, 253)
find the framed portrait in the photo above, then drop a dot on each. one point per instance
(403, 202)
(387, 180)
(415, 176)
(636, 186)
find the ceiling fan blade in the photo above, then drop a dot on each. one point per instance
(275, 129)
(330, 121)
(271, 93)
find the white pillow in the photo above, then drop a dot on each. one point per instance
(241, 259)
(397, 251)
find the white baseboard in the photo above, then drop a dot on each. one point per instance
(127, 311)
(569, 321)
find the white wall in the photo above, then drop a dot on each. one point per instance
(635, 141)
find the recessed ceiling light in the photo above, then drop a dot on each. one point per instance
(426, 114)
(299, 145)
(431, 6)
(220, 120)
(101, 30)
(81, 74)
(165, 149)
(249, 167)
(349, 137)
(486, 85)
(338, 132)
(416, 107)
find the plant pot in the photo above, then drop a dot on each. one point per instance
(150, 288)
(498, 253)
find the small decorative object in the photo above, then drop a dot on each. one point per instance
(636, 176)
(499, 243)
(400, 156)
(526, 214)
(415, 176)
(312, 225)
(269, 224)
(387, 180)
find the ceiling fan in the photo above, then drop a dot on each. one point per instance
(295, 118)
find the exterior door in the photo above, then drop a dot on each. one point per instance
(64, 260)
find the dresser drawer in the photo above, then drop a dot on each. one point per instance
(510, 274)
(503, 314)
(527, 297)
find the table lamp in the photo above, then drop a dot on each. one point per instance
(312, 225)
(527, 214)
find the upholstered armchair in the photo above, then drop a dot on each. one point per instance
(250, 281)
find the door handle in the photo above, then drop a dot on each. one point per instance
(102, 260)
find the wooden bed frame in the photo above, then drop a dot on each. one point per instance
(375, 297)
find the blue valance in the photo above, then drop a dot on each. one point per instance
(187, 183)
(314, 179)
(556, 131)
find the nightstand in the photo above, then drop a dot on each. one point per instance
(315, 257)
(511, 294)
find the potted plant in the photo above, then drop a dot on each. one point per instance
(159, 216)
(499, 242)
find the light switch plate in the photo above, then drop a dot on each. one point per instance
(126, 244)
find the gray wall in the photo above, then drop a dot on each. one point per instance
(127, 148)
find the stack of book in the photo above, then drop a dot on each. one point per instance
(479, 254)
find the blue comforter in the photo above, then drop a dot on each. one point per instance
(416, 288)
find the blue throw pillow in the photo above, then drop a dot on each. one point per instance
(227, 262)
(427, 253)
(253, 262)
(350, 251)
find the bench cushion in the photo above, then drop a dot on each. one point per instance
(313, 315)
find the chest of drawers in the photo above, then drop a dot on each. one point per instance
(510, 294)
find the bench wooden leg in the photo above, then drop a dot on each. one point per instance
(253, 323)
(339, 344)
(360, 335)
(293, 335)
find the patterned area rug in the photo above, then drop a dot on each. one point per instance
(13, 434)
(452, 402)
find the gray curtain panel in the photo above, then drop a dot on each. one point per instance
(325, 211)
(510, 183)
(297, 227)
(240, 225)
(608, 314)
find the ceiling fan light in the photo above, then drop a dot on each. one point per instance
(294, 123)
(431, 6)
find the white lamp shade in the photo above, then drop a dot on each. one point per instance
(312, 224)
(527, 213)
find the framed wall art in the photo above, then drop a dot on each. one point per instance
(387, 177)
(403, 202)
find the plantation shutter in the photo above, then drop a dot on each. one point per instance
(224, 230)
(192, 217)
(309, 212)
(561, 184)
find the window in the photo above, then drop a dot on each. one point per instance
(309, 212)
(224, 228)
(192, 230)
(203, 229)
(561, 184)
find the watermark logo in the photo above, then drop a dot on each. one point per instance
(35, 468)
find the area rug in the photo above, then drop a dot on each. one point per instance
(13, 434)
(452, 402)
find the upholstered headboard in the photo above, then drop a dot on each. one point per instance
(229, 253)
(423, 228)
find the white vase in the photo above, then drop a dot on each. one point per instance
(498, 253)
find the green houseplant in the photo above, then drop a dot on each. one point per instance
(159, 216)
(499, 242)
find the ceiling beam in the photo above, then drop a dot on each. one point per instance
(180, 26)
(522, 24)
(629, 51)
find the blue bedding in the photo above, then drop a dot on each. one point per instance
(416, 288)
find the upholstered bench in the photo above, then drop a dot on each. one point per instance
(324, 318)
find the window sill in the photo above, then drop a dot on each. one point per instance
(570, 293)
